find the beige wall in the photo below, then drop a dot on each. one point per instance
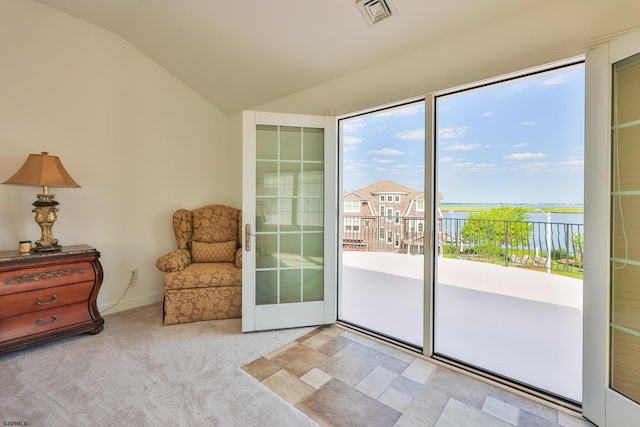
(139, 142)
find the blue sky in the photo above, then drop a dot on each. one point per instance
(521, 141)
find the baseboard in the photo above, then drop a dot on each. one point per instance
(128, 304)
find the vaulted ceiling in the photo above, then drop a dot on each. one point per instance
(240, 54)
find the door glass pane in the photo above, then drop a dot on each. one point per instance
(289, 214)
(382, 283)
(510, 233)
(625, 230)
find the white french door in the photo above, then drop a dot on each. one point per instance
(611, 378)
(289, 214)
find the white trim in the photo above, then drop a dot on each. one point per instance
(248, 216)
(597, 185)
(600, 404)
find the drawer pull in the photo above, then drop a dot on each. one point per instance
(41, 322)
(54, 298)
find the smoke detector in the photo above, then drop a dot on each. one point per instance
(375, 11)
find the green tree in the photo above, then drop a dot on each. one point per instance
(490, 232)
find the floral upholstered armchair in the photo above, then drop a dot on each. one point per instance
(204, 275)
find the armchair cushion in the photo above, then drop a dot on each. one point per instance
(204, 275)
(176, 260)
(213, 252)
(215, 223)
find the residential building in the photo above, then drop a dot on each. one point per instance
(384, 216)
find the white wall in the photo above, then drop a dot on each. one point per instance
(139, 142)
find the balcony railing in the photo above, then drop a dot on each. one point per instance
(544, 246)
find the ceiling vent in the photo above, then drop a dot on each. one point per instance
(375, 11)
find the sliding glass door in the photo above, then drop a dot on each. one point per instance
(510, 229)
(382, 217)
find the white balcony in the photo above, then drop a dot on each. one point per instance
(522, 324)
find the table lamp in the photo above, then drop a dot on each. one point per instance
(46, 171)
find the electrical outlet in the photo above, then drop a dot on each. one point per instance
(133, 280)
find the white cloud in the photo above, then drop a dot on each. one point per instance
(402, 166)
(530, 123)
(415, 134)
(525, 156)
(447, 160)
(472, 167)
(353, 125)
(522, 144)
(381, 169)
(386, 152)
(488, 114)
(383, 161)
(351, 140)
(515, 88)
(350, 143)
(555, 80)
(461, 147)
(452, 133)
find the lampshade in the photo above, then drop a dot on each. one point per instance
(46, 171)
(42, 170)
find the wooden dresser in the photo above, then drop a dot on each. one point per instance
(47, 296)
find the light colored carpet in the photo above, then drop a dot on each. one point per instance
(139, 372)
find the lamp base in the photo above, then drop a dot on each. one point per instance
(46, 210)
(47, 248)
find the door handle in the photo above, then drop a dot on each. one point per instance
(247, 237)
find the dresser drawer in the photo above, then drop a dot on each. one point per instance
(44, 277)
(43, 321)
(43, 299)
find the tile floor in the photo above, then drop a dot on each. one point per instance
(340, 378)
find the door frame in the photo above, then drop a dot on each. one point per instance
(600, 404)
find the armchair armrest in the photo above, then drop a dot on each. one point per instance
(174, 261)
(238, 260)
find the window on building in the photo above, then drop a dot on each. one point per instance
(397, 199)
(396, 243)
(352, 206)
(389, 214)
(390, 236)
(390, 199)
(381, 210)
(351, 224)
(397, 217)
(381, 233)
(382, 199)
(419, 205)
